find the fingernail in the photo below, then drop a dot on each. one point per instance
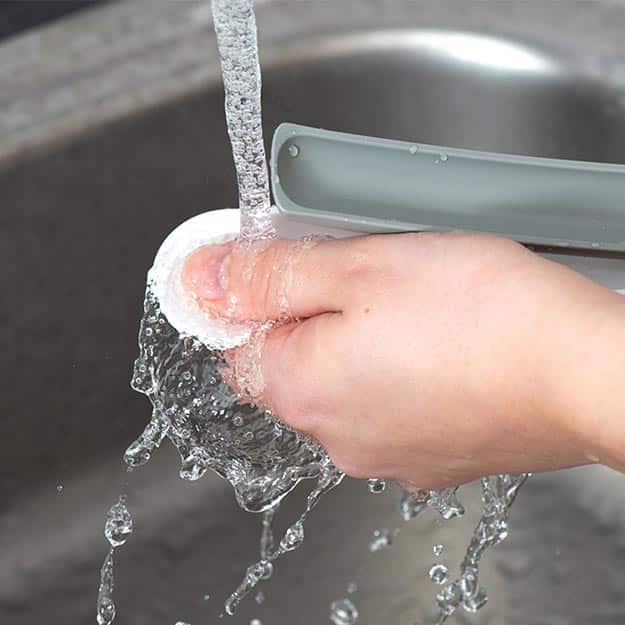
(202, 272)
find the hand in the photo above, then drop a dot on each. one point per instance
(430, 358)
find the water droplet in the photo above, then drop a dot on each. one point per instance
(293, 150)
(412, 505)
(444, 158)
(475, 603)
(413, 149)
(343, 612)
(595, 244)
(181, 623)
(256, 621)
(105, 607)
(260, 597)
(352, 587)
(118, 526)
(59, 488)
(376, 486)
(381, 538)
(439, 574)
(206, 597)
(438, 550)
(293, 537)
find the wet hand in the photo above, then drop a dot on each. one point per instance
(432, 359)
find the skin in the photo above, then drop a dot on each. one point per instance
(431, 359)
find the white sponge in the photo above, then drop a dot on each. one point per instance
(165, 279)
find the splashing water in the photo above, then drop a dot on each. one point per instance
(343, 612)
(439, 573)
(117, 529)
(498, 495)
(376, 486)
(118, 525)
(381, 539)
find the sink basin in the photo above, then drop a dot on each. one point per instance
(110, 139)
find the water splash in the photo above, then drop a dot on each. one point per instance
(439, 573)
(117, 529)
(118, 525)
(292, 539)
(195, 408)
(498, 495)
(381, 539)
(343, 612)
(376, 486)
(437, 550)
(105, 609)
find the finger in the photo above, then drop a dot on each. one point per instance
(302, 371)
(278, 279)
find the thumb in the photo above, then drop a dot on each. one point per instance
(268, 280)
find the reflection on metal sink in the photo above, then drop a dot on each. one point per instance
(111, 138)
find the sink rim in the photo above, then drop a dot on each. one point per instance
(143, 53)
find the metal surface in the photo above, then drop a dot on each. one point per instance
(111, 133)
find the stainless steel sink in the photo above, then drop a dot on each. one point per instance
(111, 133)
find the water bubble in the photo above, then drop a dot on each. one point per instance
(343, 612)
(376, 486)
(237, 421)
(118, 526)
(206, 597)
(437, 550)
(381, 538)
(293, 150)
(439, 574)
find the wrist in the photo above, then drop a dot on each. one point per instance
(592, 383)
